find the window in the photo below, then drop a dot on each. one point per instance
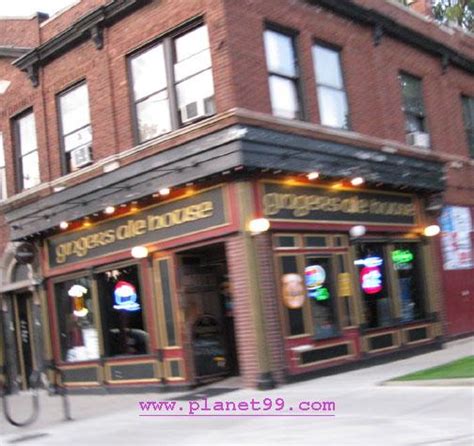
(76, 130)
(283, 76)
(373, 282)
(79, 339)
(193, 75)
(406, 262)
(319, 288)
(332, 98)
(468, 111)
(413, 104)
(28, 173)
(177, 70)
(121, 311)
(3, 177)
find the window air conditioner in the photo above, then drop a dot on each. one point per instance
(197, 109)
(80, 157)
(419, 139)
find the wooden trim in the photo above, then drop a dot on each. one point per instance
(351, 354)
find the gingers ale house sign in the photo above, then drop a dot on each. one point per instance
(310, 204)
(199, 212)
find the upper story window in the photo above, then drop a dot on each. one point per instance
(3, 177)
(468, 109)
(332, 98)
(414, 109)
(26, 150)
(172, 83)
(283, 75)
(76, 130)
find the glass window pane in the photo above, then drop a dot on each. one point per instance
(30, 170)
(74, 109)
(412, 95)
(327, 67)
(414, 123)
(373, 284)
(121, 306)
(196, 88)
(406, 262)
(319, 289)
(333, 107)
(468, 111)
(149, 72)
(192, 65)
(2, 151)
(78, 138)
(153, 116)
(191, 43)
(27, 133)
(279, 53)
(284, 97)
(292, 289)
(78, 335)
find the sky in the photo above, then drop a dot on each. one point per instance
(29, 7)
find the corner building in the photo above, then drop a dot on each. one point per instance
(143, 142)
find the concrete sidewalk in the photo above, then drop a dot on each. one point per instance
(367, 413)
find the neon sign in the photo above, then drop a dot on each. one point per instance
(314, 277)
(77, 293)
(371, 279)
(400, 256)
(369, 261)
(125, 297)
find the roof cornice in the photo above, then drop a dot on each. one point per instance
(89, 26)
(12, 52)
(384, 25)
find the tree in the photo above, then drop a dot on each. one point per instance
(459, 11)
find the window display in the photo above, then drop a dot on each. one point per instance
(318, 281)
(407, 265)
(78, 335)
(121, 311)
(373, 283)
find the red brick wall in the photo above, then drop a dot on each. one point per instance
(240, 73)
(243, 319)
(269, 296)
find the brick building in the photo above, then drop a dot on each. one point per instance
(145, 145)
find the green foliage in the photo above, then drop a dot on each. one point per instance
(458, 11)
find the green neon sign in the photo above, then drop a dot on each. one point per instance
(400, 256)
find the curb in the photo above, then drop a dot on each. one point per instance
(459, 382)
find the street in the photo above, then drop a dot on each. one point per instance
(366, 413)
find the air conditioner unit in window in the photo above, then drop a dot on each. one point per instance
(197, 109)
(419, 139)
(81, 156)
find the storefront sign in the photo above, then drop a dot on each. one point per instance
(456, 228)
(176, 218)
(308, 203)
(293, 291)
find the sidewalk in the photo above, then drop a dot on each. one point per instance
(365, 410)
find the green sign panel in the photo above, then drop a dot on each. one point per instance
(204, 210)
(309, 203)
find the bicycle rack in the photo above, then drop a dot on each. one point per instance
(35, 383)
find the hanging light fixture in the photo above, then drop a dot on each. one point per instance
(164, 191)
(109, 210)
(258, 225)
(64, 225)
(357, 181)
(313, 176)
(139, 252)
(431, 231)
